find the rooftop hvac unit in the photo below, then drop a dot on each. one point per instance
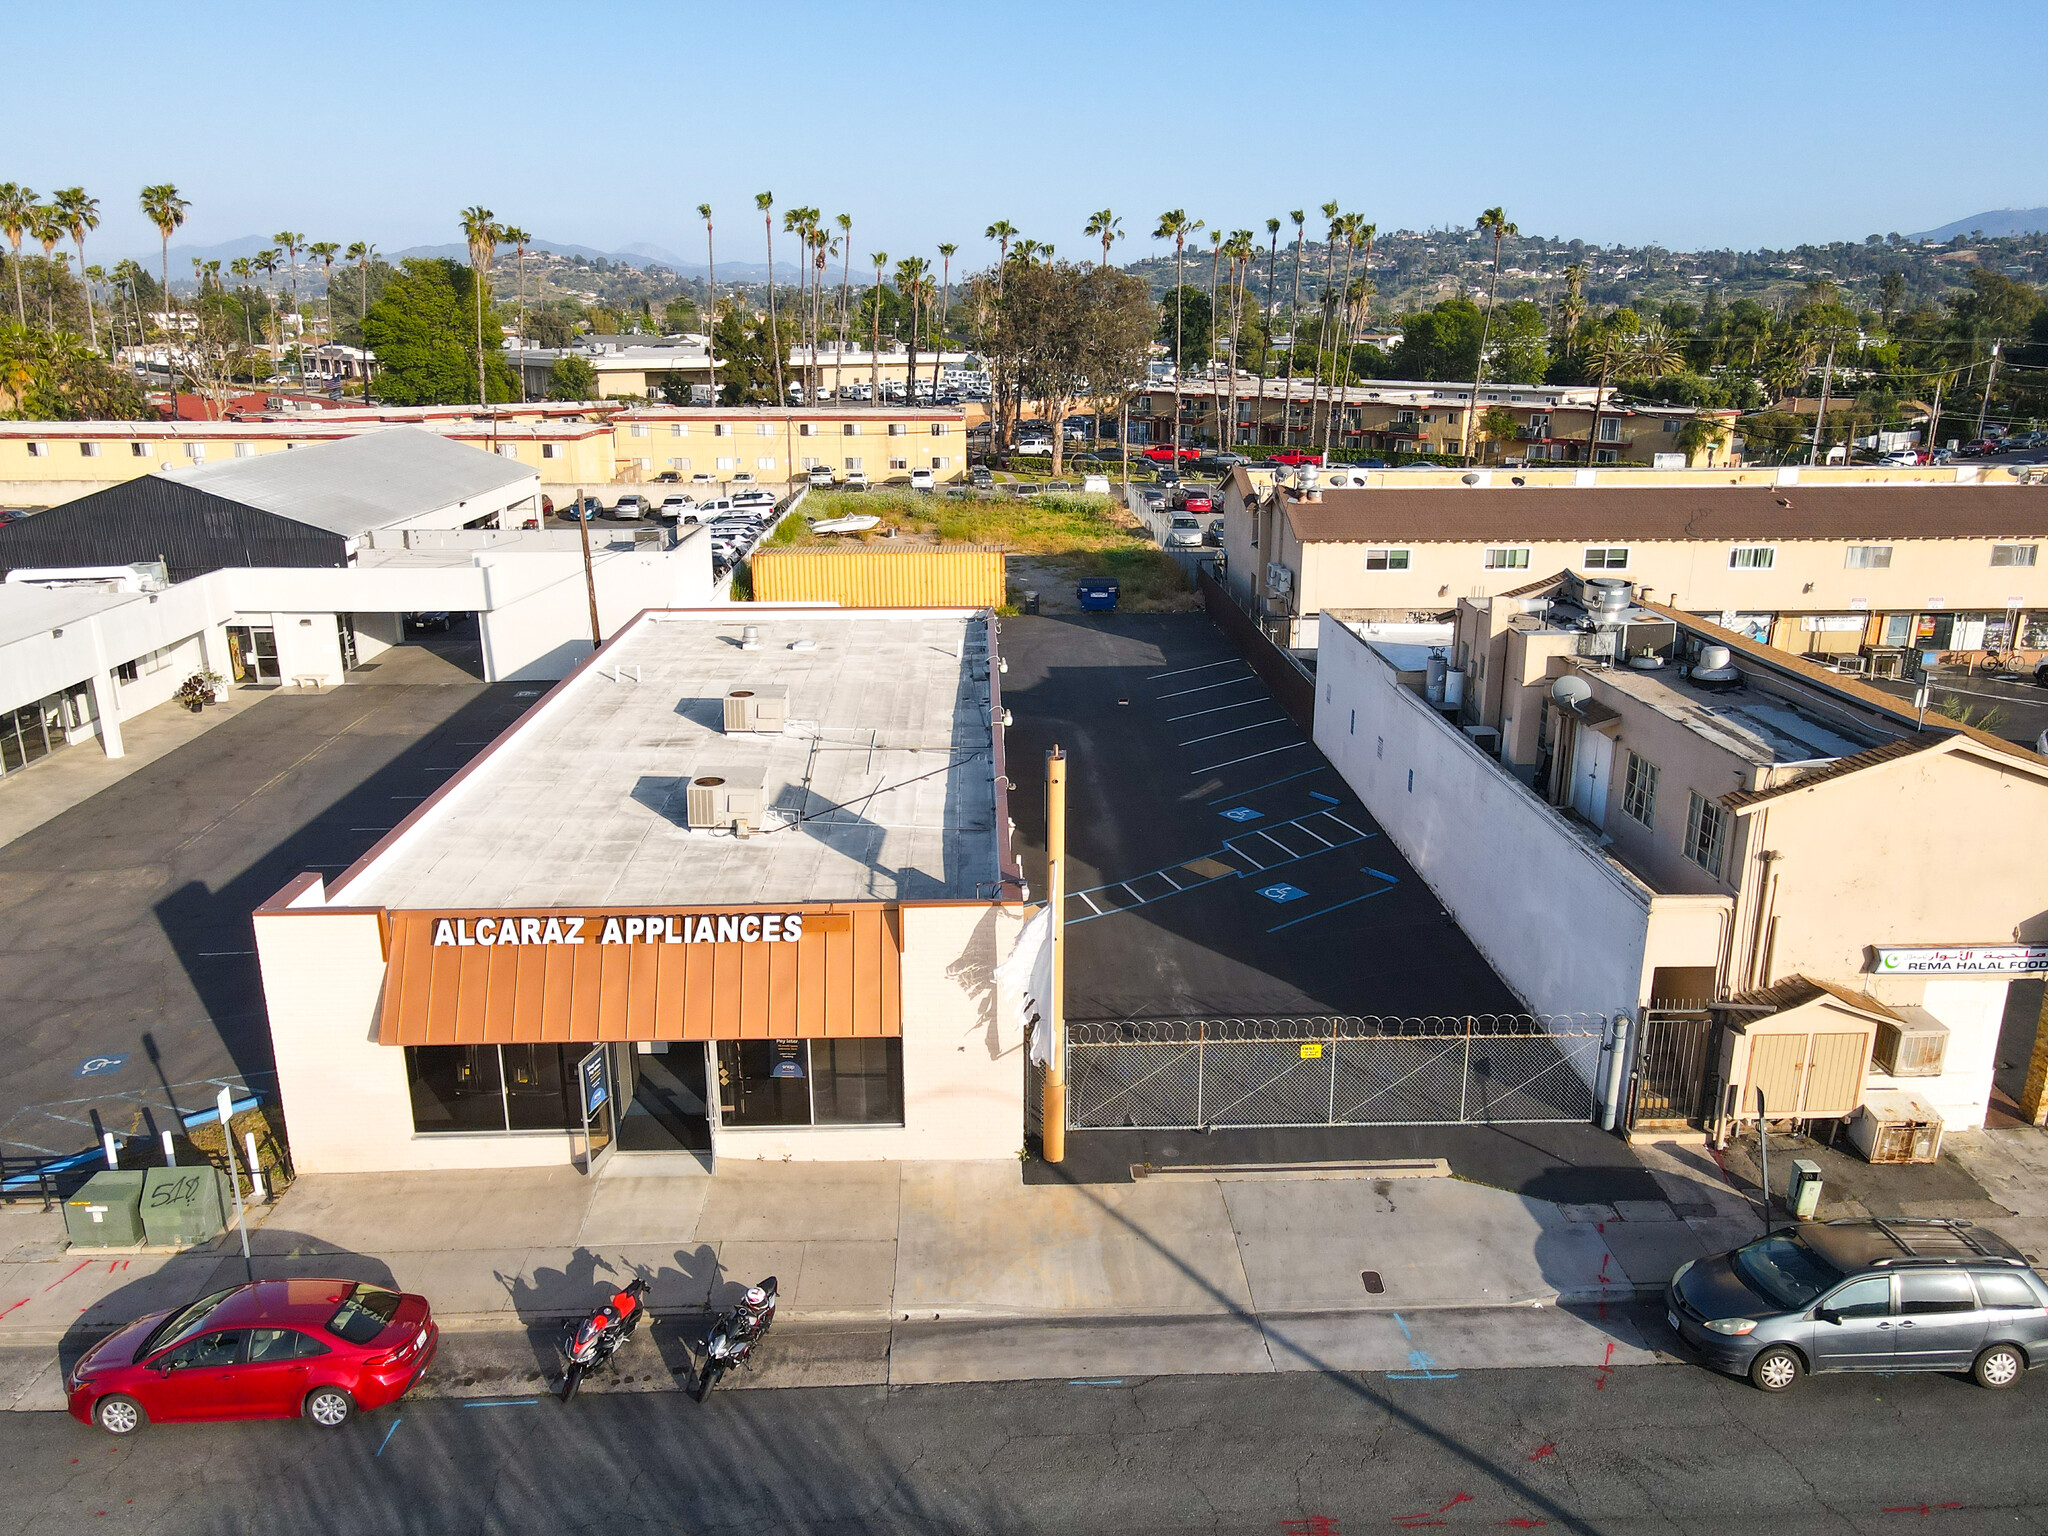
(726, 799)
(1896, 1128)
(1915, 1047)
(764, 711)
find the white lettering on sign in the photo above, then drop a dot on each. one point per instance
(666, 928)
(1965, 959)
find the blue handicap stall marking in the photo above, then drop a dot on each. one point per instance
(1241, 813)
(97, 1066)
(1382, 874)
(1317, 794)
(1282, 892)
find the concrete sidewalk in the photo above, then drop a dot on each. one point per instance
(915, 1272)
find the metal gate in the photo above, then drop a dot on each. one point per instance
(1185, 1074)
(1673, 1056)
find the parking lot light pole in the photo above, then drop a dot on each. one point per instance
(1053, 1119)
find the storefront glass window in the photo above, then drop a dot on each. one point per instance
(535, 1099)
(749, 1090)
(857, 1082)
(456, 1088)
(2034, 630)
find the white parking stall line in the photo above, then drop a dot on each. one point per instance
(1344, 824)
(1248, 757)
(1228, 682)
(1195, 741)
(1214, 709)
(1082, 896)
(1308, 831)
(1205, 666)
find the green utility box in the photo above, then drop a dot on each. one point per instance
(182, 1207)
(107, 1213)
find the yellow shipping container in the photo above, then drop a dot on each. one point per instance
(867, 577)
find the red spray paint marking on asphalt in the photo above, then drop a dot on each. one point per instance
(83, 1264)
(1522, 1523)
(116, 1264)
(1456, 1500)
(1547, 1448)
(1312, 1525)
(1921, 1509)
(21, 1303)
(1606, 1365)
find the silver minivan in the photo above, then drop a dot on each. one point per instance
(1864, 1294)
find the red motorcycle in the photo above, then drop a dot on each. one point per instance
(601, 1335)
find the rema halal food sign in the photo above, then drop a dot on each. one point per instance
(653, 928)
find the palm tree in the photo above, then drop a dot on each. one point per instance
(17, 205)
(881, 260)
(1266, 315)
(265, 261)
(1496, 223)
(1300, 219)
(48, 229)
(1336, 229)
(79, 214)
(241, 266)
(765, 201)
(1174, 225)
(910, 278)
(481, 230)
(711, 270)
(1105, 226)
(1358, 295)
(1002, 232)
(324, 251)
(1571, 309)
(162, 206)
(946, 253)
(845, 223)
(1242, 253)
(519, 240)
(293, 241)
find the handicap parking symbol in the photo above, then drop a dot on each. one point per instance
(1282, 892)
(96, 1066)
(1241, 813)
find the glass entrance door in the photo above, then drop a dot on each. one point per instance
(669, 1111)
(345, 625)
(252, 653)
(594, 1094)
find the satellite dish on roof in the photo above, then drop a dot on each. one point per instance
(1571, 690)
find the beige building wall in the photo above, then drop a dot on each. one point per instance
(348, 1107)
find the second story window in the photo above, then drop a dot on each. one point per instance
(1706, 834)
(1610, 557)
(1386, 559)
(2014, 554)
(1639, 791)
(1868, 557)
(1752, 557)
(1507, 559)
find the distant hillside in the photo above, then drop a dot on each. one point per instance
(2001, 221)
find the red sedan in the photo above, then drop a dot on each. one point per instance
(1197, 501)
(1165, 452)
(273, 1349)
(1295, 456)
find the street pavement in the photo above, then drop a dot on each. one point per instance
(1615, 1451)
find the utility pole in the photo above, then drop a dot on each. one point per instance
(1053, 1119)
(1827, 374)
(1989, 379)
(1934, 422)
(589, 574)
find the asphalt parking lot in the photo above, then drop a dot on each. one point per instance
(127, 917)
(2012, 708)
(1220, 866)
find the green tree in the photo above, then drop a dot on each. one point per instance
(1498, 425)
(484, 234)
(17, 214)
(680, 315)
(746, 363)
(1186, 320)
(78, 214)
(572, 378)
(1441, 342)
(54, 376)
(418, 326)
(1521, 347)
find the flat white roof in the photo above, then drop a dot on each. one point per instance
(882, 787)
(26, 611)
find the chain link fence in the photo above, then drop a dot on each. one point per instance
(1186, 1074)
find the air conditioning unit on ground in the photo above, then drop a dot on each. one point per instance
(726, 799)
(1893, 1127)
(762, 711)
(1915, 1047)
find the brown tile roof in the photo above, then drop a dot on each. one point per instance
(1557, 514)
(1795, 990)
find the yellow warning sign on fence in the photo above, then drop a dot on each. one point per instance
(1311, 1050)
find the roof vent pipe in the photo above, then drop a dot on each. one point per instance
(750, 637)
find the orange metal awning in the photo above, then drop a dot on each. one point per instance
(641, 973)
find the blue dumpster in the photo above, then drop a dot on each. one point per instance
(1096, 595)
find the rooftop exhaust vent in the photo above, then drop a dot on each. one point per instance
(762, 711)
(750, 637)
(726, 800)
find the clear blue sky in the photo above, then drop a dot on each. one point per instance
(1736, 124)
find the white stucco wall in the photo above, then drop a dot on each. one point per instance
(1973, 1008)
(1565, 927)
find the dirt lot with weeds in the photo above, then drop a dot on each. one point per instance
(1054, 540)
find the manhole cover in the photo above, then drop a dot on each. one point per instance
(1374, 1285)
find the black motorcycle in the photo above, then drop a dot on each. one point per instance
(598, 1338)
(734, 1335)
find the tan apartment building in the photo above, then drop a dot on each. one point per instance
(1830, 563)
(1634, 811)
(43, 463)
(1387, 417)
